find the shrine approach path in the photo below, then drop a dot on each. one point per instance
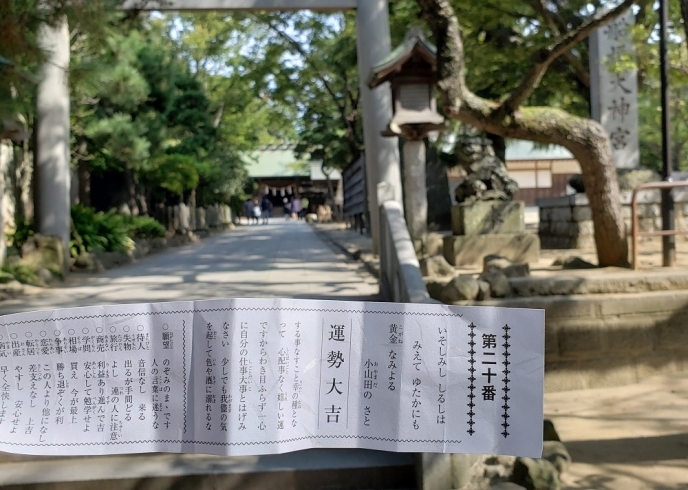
(285, 259)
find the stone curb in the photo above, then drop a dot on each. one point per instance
(617, 283)
(369, 261)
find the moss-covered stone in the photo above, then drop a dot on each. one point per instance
(42, 251)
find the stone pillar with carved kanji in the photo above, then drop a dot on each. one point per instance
(614, 88)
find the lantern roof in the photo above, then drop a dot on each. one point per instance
(414, 43)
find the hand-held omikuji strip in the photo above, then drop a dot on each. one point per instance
(248, 376)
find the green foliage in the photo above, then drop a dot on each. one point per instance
(143, 227)
(96, 230)
(22, 273)
(23, 232)
(120, 141)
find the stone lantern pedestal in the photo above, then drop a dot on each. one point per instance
(489, 228)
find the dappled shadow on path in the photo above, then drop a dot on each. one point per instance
(285, 259)
(630, 450)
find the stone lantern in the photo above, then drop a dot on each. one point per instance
(411, 69)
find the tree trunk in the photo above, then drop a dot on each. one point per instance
(131, 191)
(141, 198)
(84, 175)
(15, 174)
(684, 16)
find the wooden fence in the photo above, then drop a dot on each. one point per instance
(356, 195)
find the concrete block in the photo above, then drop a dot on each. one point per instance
(570, 200)
(581, 228)
(583, 337)
(647, 224)
(558, 308)
(583, 242)
(607, 372)
(561, 214)
(673, 334)
(661, 363)
(562, 376)
(551, 340)
(471, 249)
(546, 214)
(581, 213)
(649, 303)
(649, 211)
(639, 336)
(552, 242)
(682, 223)
(485, 217)
(561, 228)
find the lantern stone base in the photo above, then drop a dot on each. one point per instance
(465, 250)
(482, 217)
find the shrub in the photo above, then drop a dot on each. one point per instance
(23, 232)
(95, 230)
(22, 273)
(144, 227)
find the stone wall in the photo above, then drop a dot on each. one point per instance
(604, 340)
(566, 222)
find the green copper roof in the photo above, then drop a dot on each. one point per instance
(276, 161)
(415, 40)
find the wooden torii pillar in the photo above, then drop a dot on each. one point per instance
(374, 44)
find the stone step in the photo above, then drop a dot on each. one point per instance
(310, 469)
(600, 281)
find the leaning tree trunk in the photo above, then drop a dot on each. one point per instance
(591, 147)
(586, 139)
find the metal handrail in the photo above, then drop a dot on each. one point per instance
(634, 216)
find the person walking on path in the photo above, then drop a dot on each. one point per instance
(296, 207)
(266, 208)
(256, 211)
(286, 208)
(248, 210)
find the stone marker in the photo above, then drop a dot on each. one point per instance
(464, 250)
(483, 217)
(614, 95)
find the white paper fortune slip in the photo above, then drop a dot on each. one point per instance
(248, 377)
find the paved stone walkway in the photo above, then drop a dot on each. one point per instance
(282, 259)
